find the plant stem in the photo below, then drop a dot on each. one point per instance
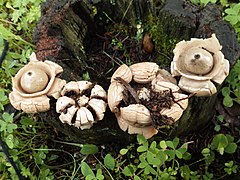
(103, 167)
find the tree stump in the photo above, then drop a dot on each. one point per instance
(72, 32)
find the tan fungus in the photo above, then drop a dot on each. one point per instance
(88, 108)
(136, 118)
(34, 83)
(199, 62)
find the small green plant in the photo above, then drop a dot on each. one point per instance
(109, 162)
(230, 168)
(7, 128)
(18, 19)
(231, 92)
(86, 76)
(209, 157)
(220, 121)
(89, 174)
(154, 157)
(203, 2)
(21, 140)
(223, 144)
(232, 14)
(3, 99)
(22, 14)
(159, 160)
(116, 44)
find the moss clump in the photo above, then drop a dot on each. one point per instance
(164, 43)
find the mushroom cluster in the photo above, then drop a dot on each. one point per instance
(82, 103)
(34, 83)
(145, 98)
(199, 62)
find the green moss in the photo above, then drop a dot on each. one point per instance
(164, 43)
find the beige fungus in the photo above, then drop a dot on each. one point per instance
(136, 118)
(34, 83)
(200, 63)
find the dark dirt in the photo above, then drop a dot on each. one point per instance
(112, 49)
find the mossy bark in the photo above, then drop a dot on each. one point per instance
(66, 32)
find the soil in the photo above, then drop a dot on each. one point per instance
(112, 49)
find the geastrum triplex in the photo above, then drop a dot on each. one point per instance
(34, 83)
(145, 98)
(199, 62)
(81, 104)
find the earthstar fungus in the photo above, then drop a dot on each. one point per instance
(199, 62)
(34, 83)
(142, 96)
(81, 104)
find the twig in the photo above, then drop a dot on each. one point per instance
(129, 88)
(191, 95)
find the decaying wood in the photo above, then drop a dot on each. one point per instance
(68, 28)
